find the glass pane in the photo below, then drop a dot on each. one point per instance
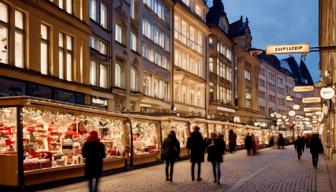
(44, 32)
(8, 121)
(61, 64)
(103, 15)
(3, 12)
(93, 9)
(103, 76)
(69, 42)
(61, 4)
(117, 75)
(69, 6)
(44, 58)
(69, 67)
(3, 45)
(93, 72)
(19, 19)
(60, 40)
(11, 87)
(19, 50)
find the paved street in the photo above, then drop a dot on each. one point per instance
(271, 170)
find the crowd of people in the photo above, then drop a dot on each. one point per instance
(94, 152)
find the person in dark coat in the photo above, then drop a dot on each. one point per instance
(271, 142)
(171, 152)
(216, 149)
(232, 141)
(281, 142)
(94, 152)
(299, 146)
(316, 147)
(196, 147)
(248, 144)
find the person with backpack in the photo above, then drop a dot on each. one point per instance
(94, 152)
(170, 152)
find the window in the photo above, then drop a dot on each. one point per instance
(132, 9)
(4, 26)
(93, 10)
(19, 39)
(156, 7)
(187, 2)
(44, 54)
(247, 75)
(69, 6)
(93, 73)
(155, 34)
(133, 42)
(248, 100)
(262, 110)
(118, 33)
(65, 43)
(211, 64)
(102, 76)
(261, 83)
(133, 79)
(117, 75)
(98, 45)
(198, 10)
(103, 15)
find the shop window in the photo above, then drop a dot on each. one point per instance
(117, 75)
(44, 49)
(19, 39)
(145, 137)
(4, 26)
(93, 73)
(103, 76)
(8, 128)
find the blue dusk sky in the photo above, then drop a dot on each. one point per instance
(280, 22)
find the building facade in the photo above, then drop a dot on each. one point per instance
(220, 65)
(246, 73)
(190, 57)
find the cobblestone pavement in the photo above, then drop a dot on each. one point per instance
(271, 170)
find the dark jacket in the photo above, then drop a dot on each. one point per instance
(94, 153)
(299, 144)
(316, 145)
(170, 148)
(215, 149)
(281, 141)
(195, 145)
(248, 142)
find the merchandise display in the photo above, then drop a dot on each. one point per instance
(182, 132)
(203, 128)
(54, 139)
(145, 137)
(8, 130)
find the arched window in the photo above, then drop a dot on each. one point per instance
(117, 75)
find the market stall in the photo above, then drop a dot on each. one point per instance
(145, 140)
(202, 125)
(51, 137)
(182, 130)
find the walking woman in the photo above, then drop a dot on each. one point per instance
(216, 149)
(94, 152)
(170, 151)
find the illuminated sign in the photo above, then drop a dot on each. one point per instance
(291, 113)
(303, 88)
(312, 109)
(289, 98)
(327, 92)
(99, 101)
(311, 100)
(296, 107)
(285, 49)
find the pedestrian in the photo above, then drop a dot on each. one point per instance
(248, 144)
(232, 141)
(196, 147)
(254, 144)
(299, 146)
(94, 152)
(271, 142)
(281, 142)
(316, 147)
(216, 149)
(171, 152)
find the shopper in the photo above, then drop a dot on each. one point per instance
(316, 147)
(248, 144)
(281, 142)
(299, 146)
(254, 144)
(271, 142)
(171, 152)
(232, 141)
(196, 148)
(216, 149)
(94, 152)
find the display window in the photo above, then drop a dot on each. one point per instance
(182, 132)
(8, 127)
(219, 128)
(55, 138)
(203, 128)
(145, 137)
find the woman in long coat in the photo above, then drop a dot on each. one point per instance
(195, 145)
(170, 152)
(94, 152)
(216, 149)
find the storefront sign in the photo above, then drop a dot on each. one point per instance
(311, 100)
(327, 92)
(311, 109)
(303, 88)
(296, 107)
(99, 101)
(291, 113)
(285, 49)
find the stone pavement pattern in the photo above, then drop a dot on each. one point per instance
(271, 170)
